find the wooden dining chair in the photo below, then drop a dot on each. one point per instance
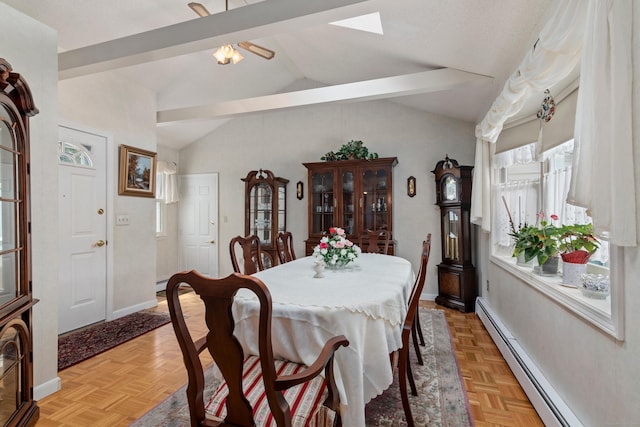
(284, 247)
(378, 241)
(404, 367)
(255, 390)
(251, 254)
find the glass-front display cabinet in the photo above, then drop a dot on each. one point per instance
(456, 274)
(17, 407)
(265, 211)
(351, 194)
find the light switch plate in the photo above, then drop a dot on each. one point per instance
(122, 219)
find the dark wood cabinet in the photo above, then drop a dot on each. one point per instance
(17, 407)
(265, 211)
(457, 286)
(352, 194)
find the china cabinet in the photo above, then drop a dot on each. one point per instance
(265, 211)
(456, 273)
(17, 407)
(352, 194)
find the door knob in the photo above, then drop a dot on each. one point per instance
(100, 243)
(212, 241)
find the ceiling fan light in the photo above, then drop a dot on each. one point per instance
(219, 54)
(237, 57)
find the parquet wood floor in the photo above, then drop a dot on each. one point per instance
(115, 388)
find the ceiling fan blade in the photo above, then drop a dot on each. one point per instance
(258, 50)
(199, 9)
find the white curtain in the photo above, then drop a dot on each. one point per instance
(603, 176)
(168, 185)
(555, 55)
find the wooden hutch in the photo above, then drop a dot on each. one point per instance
(265, 211)
(352, 194)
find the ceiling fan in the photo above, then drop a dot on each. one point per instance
(226, 54)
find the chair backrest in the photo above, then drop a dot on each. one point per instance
(378, 241)
(218, 296)
(284, 247)
(251, 254)
(416, 291)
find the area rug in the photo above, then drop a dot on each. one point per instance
(80, 345)
(441, 401)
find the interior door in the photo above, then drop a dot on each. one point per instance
(198, 218)
(82, 224)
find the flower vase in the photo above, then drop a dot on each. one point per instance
(336, 266)
(521, 262)
(571, 273)
(548, 268)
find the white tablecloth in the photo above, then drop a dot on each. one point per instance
(367, 303)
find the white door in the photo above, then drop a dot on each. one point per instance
(83, 228)
(199, 223)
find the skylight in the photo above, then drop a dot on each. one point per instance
(370, 23)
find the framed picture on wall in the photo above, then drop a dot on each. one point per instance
(137, 175)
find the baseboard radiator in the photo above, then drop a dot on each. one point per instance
(550, 406)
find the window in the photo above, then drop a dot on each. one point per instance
(160, 218)
(524, 187)
(160, 207)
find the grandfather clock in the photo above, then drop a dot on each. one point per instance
(456, 274)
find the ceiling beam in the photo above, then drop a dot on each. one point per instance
(388, 87)
(254, 21)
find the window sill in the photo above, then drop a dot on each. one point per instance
(594, 311)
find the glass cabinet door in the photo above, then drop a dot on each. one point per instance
(282, 203)
(451, 235)
(322, 201)
(376, 194)
(348, 202)
(10, 248)
(260, 199)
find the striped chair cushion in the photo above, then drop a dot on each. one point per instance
(305, 400)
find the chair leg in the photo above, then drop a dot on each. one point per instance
(414, 337)
(402, 376)
(412, 382)
(416, 324)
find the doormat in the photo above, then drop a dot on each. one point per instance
(83, 344)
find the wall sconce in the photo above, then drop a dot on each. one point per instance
(411, 186)
(299, 190)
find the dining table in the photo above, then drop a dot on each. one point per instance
(366, 302)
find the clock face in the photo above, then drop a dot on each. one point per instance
(450, 189)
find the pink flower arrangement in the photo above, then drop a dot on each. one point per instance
(335, 250)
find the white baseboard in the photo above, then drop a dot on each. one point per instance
(161, 285)
(45, 389)
(134, 308)
(550, 406)
(428, 297)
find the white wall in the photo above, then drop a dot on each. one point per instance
(31, 49)
(282, 141)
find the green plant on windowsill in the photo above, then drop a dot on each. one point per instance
(538, 241)
(350, 151)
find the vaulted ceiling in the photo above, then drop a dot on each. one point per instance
(445, 57)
